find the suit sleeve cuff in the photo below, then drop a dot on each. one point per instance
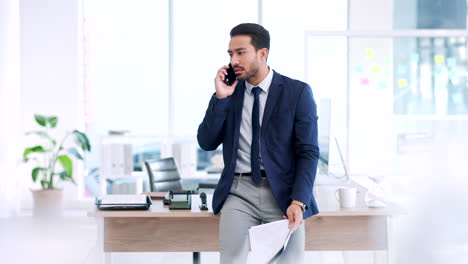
(218, 105)
(301, 197)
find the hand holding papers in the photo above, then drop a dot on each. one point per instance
(268, 241)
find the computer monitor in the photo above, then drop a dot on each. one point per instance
(324, 135)
(345, 176)
(324, 175)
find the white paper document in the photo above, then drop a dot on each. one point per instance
(268, 241)
(123, 199)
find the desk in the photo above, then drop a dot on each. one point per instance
(161, 230)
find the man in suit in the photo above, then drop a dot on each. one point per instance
(267, 124)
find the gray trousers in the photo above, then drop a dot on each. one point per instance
(249, 205)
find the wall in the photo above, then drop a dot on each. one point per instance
(370, 110)
(50, 69)
(9, 106)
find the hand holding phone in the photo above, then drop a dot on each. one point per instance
(225, 82)
(231, 76)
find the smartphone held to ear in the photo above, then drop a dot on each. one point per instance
(231, 76)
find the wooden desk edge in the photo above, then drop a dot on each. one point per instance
(97, 213)
(391, 210)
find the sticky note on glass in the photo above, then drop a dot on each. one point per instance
(387, 72)
(451, 62)
(358, 68)
(402, 69)
(414, 57)
(402, 83)
(364, 81)
(382, 85)
(375, 69)
(439, 59)
(370, 53)
(387, 60)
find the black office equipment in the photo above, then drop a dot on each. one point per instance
(122, 202)
(180, 200)
(203, 205)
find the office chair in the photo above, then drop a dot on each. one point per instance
(164, 176)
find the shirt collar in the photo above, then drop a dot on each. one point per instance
(265, 84)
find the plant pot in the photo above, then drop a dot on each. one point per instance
(48, 203)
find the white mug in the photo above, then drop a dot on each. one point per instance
(346, 196)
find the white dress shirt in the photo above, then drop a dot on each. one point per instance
(245, 138)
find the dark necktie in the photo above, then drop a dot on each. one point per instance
(255, 147)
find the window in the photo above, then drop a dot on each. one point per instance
(125, 72)
(430, 14)
(431, 76)
(201, 41)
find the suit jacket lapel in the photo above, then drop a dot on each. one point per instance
(273, 95)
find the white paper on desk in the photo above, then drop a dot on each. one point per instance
(123, 199)
(266, 240)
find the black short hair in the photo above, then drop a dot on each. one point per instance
(260, 37)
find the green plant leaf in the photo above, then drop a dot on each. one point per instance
(28, 151)
(82, 140)
(42, 134)
(52, 120)
(35, 173)
(75, 153)
(44, 184)
(65, 177)
(67, 164)
(40, 119)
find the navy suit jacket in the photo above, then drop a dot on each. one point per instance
(288, 140)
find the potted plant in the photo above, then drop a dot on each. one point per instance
(53, 163)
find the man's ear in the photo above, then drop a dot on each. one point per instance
(263, 53)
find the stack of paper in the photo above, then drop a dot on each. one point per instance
(268, 241)
(123, 199)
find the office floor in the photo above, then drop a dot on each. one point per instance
(70, 240)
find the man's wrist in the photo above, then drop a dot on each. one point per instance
(300, 204)
(297, 202)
